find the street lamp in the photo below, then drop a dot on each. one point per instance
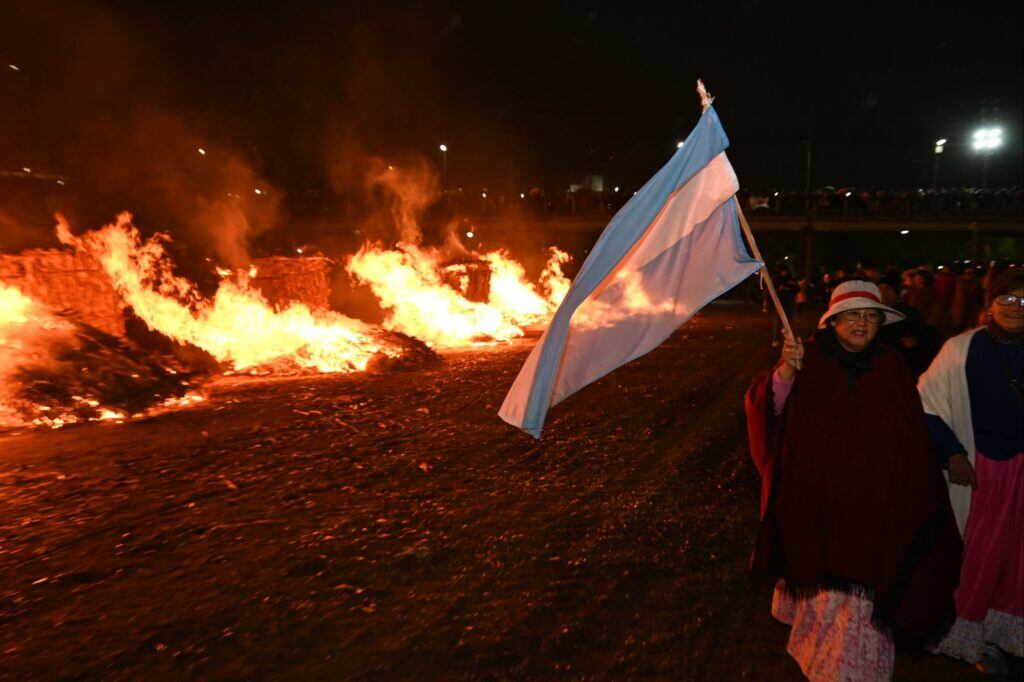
(985, 141)
(939, 147)
(679, 145)
(444, 166)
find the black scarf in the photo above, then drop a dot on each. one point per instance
(1000, 335)
(852, 363)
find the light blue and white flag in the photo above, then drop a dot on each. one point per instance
(674, 247)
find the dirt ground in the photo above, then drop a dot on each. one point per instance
(392, 527)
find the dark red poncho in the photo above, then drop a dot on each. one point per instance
(852, 497)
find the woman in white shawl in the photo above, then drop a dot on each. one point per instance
(972, 396)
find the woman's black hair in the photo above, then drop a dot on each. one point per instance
(1006, 283)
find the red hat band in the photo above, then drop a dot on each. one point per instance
(854, 294)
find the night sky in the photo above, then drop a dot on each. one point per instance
(524, 94)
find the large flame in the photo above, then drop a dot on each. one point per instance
(15, 308)
(408, 284)
(56, 370)
(23, 324)
(425, 294)
(237, 326)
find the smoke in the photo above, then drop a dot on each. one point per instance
(405, 193)
(101, 109)
(179, 115)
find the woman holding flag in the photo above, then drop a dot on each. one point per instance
(855, 522)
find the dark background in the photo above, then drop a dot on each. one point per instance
(295, 97)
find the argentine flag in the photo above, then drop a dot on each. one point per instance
(674, 247)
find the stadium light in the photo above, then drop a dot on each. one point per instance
(987, 139)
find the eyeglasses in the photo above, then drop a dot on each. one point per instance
(868, 316)
(1010, 299)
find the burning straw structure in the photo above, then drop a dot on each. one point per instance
(285, 280)
(471, 278)
(66, 281)
(56, 370)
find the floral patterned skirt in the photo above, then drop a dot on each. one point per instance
(832, 637)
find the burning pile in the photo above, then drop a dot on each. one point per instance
(55, 370)
(63, 280)
(283, 280)
(427, 295)
(237, 326)
(412, 283)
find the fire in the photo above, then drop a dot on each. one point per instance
(14, 310)
(19, 339)
(407, 282)
(427, 296)
(552, 279)
(237, 326)
(56, 370)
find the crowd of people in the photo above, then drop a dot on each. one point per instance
(826, 201)
(858, 201)
(892, 504)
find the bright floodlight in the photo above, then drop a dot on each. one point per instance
(904, 231)
(987, 139)
(469, 234)
(679, 145)
(939, 143)
(443, 147)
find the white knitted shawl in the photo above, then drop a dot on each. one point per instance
(943, 390)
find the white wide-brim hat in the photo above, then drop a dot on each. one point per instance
(855, 294)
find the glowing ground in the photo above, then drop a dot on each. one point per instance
(390, 526)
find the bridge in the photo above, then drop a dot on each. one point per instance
(824, 240)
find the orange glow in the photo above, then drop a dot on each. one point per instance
(28, 332)
(237, 326)
(407, 283)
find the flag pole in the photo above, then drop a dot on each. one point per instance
(764, 271)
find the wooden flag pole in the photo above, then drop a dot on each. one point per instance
(764, 271)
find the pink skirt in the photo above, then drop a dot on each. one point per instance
(990, 598)
(832, 637)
